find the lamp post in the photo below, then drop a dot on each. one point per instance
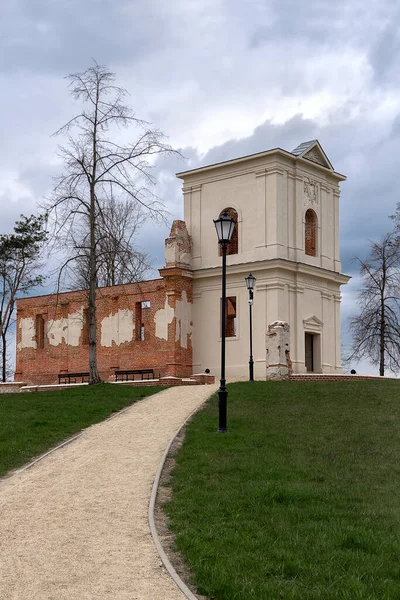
(250, 283)
(224, 226)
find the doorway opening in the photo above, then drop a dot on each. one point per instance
(309, 352)
(312, 356)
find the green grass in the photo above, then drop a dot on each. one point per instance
(31, 423)
(300, 500)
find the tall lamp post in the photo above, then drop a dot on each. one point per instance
(224, 226)
(250, 283)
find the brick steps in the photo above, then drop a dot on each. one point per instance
(333, 377)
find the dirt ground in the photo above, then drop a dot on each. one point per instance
(75, 525)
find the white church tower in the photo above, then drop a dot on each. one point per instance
(286, 205)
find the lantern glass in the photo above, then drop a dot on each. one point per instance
(250, 281)
(224, 226)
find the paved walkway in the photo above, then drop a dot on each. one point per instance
(75, 525)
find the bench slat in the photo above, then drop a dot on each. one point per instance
(66, 377)
(123, 374)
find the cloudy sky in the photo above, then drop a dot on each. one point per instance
(221, 78)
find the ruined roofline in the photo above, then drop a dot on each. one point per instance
(106, 287)
(248, 157)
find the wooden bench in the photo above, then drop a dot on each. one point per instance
(68, 377)
(134, 374)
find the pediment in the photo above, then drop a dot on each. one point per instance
(316, 156)
(312, 324)
(313, 152)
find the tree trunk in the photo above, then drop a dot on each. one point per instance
(94, 376)
(382, 339)
(4, 357)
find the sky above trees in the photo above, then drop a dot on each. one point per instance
(221, 79)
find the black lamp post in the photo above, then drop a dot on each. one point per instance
(250, 283)
(224, 226)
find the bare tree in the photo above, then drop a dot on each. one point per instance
(98, 166)
(19, 264)
(396, 219)
(376, 329)
(118, 260)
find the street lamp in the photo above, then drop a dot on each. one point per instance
(224, 226)
(250, 283)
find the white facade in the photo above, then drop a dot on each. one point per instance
(271, 193)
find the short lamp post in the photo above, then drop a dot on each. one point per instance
(224, 226)
(250, 283)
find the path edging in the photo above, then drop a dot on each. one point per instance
(153, 530)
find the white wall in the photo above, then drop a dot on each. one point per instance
(271, 193)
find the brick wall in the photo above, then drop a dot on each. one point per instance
(165, 347)
(333, 377)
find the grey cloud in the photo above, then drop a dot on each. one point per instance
(289, 20)
(11, 211)
(35, 178)
(266, 136)
(321, 22)
(59, 36)
(168, 188)
(55, 36)
(39, 178)
(151, 237)
(384, 54)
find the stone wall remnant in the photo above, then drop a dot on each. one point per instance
(278, 362)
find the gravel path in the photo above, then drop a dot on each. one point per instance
(75, 525)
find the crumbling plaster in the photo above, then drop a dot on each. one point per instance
(183, 314)
(67, 328)
(162, 319)
(27, 327)
(117, 328)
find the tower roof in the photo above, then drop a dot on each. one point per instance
(313, 151)
(303, 147)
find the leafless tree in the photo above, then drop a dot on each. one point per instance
(376, 329)
(98, 166)
(396, 219)
(118, 260)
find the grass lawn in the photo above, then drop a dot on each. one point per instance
(31, 423)
(300, 500)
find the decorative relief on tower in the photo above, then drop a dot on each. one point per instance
(314, 155)
(310, 191)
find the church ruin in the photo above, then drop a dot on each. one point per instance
(286, 211)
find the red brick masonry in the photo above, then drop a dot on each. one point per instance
(38, 361)
(144, 325)
(346, 377)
